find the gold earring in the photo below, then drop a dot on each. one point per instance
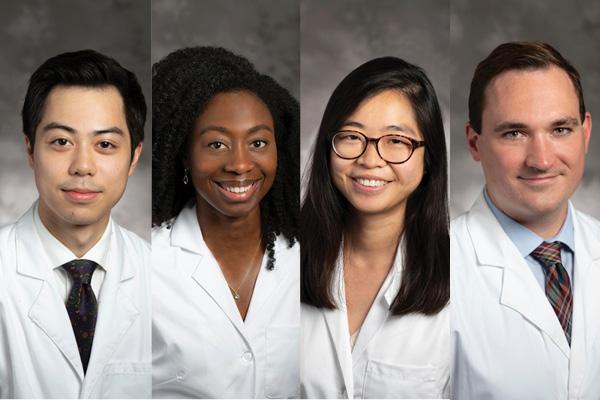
(185, 176)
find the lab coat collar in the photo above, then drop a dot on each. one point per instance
(186, 233)
(519, 289)
(48, 312)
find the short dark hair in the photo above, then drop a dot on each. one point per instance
(183, 83)
(86, 68)
(517, 56)
(326, 215)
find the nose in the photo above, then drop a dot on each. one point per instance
(82, 162)
(239, 161)
(370, 158)
(540, 153)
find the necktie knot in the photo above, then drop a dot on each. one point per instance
(80, 270)
(548, 254)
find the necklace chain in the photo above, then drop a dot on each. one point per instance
(236, 293)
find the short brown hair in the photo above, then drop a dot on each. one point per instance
(517, 56)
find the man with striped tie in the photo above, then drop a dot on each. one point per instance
(525, 264)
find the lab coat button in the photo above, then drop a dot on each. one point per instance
(179, 376)
(247, 356)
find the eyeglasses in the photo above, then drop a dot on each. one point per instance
(395, 149)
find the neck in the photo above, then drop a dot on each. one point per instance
(77, 238)
(230, 234)
(546, 226)
(375, 234)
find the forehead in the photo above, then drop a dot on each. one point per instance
(386, 106)
(235, 108)
(530, 96)
(84, 108)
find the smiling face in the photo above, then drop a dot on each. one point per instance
(82, 156)
(532, 143)
(233, 154)
(368, 182)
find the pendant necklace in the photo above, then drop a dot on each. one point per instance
(236, 293)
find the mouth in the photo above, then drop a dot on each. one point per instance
(238, 191)
(80, 195)
(538, 179)
(370, 184)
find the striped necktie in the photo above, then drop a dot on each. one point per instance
(82, 306)
(558, 284)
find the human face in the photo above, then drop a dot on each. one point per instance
(82, 156)
(369, 183)
(233, 154)
(532, 143)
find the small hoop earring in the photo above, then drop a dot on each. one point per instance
(185, 176)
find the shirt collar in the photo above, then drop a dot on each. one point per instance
(527, 241)
(59, 254)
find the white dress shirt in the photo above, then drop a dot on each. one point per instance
(58, 254)
(393, 356)
(201, 346)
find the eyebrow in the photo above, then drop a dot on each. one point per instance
(222, 129)
(394, 128)
(71, 130)
(511, 125)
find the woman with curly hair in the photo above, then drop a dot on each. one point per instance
(225, 200)
(375, 245)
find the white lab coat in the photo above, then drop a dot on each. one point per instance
(507, 341)
(393, 357)
(38, 351)
(201, 346)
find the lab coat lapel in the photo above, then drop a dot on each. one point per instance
(337, 325)
(47, 310)
(379, 311)
(207, 273)
(519, 289)
(266, 283)
(586, 302)
(116, 309)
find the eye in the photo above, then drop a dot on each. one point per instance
(217, 145)
(513, 135)
(60, 142)
(562, 131)
(106, 145)
(258, 144)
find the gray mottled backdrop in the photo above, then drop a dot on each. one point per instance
(339, 35)
(264, 31)
(32, 31)
(476, 28)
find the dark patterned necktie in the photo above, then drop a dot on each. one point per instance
(82, 306)
(558, 284)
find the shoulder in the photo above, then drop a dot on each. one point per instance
(130, 240)
(161, 233)
(588, 222)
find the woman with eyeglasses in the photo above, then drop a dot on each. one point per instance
(374, 241)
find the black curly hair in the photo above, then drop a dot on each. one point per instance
(182, 84)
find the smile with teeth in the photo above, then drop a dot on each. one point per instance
(237, 189)
(371, 182)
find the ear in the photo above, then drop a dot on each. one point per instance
(587, 129)
(472, 138)
(134, 160)
(29, 148)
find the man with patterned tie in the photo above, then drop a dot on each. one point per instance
(74, 292)
(525, 264)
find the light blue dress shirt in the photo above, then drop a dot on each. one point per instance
(526, 241)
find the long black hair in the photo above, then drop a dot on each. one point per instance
(324, 217)
(182, 84)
